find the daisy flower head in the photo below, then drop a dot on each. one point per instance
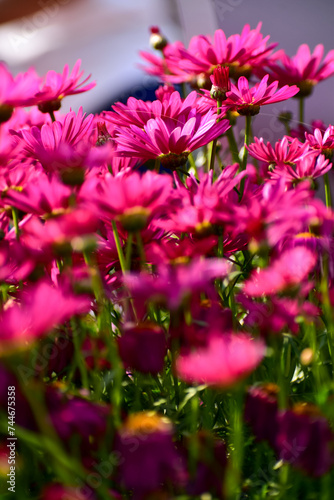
(58, 85)
(170, 140)
(247, 101)
(304, 69)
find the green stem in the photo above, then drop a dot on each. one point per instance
(16, 222)
(248, 133)
(157, 165)
(234, 475)
(128, 251)
(51, 113)
(301, 110)
(214, 142)
(193, 164)
(233, 145)
(119, 247)
(328, 194)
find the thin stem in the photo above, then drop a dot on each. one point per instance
(157, 165)
(119, 247)
(214, 142)
(328, 194)
(233, 145)
(248, 132)
(16, 222)
(128, 252)
(301, 110)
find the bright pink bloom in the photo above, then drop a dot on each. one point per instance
(322, 143)
(242, 52)
(132, 199)
(18, 91)
(273, 213)
(286, 151)
(170, 140)
(310, 167)
(290, 269)
(42, 308)
(58, 85)
(247, 101)
(42, 195)
(304, 69)
(137, 112)
(225, 361)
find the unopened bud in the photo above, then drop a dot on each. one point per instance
(220, 83)
(157, 40)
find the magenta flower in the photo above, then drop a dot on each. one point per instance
(310, 167)
(64, 147)
(261, 412)
(137, 112)
(174, 285)
(286, 151)
(289, 270)
(143, 347)
(241, 52)
(170, 140)
(42, 195)
(305, 439)
(56, 86)
(225, 361)
(132, 199)
(153, 465)
(322, 142)
(221, 84)
(247, 101)
(41, 309)
(18, 91)
(303, 69)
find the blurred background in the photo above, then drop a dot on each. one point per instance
(107, 35)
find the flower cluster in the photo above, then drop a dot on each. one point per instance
(166, 287)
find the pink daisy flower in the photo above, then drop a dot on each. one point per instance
(241, 52)
(132, 199)
(286, 151)
(137, 112)
(41, 310)
(170, 140)
(322, 142)
(290, 269)
(58, 85)
(18, 91)
(309, 167)
(225, 361)
(247, 101)
(303, 69)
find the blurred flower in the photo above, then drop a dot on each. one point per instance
(150, 462)
(225, 361)
(143, 347)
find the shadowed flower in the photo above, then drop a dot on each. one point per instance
(150, 461)
(305, 439)
(143, 347)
